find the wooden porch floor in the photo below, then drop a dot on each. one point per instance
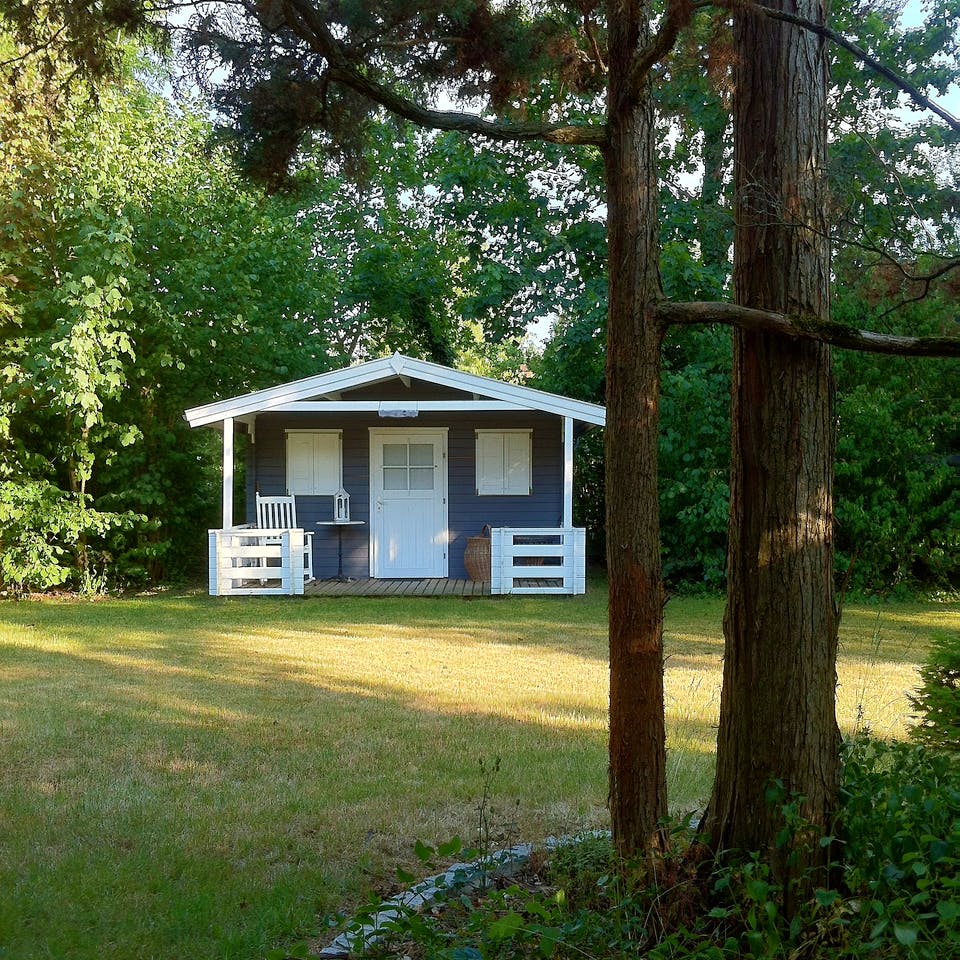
(436, 587)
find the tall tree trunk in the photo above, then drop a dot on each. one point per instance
(777, 710)
(637, 741)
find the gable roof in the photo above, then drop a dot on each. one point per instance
(388, 368)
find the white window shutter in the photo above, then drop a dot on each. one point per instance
(313, 462)
(300, 463)
(489, 463)
(516, 464)
(504, 462)
(326, 463)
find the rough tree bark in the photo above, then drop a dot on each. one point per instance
(638, 797)
(777, 711)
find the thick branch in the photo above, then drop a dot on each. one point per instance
(766, 321)
(677, 16)
(841, 41)
(310, 27)
(465, 122)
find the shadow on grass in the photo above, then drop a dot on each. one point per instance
(186, 776)
(180, 786)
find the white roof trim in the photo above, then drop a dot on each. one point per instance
(376, 371)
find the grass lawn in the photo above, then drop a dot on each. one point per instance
(186, 777)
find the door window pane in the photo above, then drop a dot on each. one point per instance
(421, 478)
(394, 478)
(394, 455)
(421, 454)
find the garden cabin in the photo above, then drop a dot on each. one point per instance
(392, 467)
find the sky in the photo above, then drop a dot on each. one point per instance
(913, 15)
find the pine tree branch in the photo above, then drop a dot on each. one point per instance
(767, 321)
(304, 20)
(677, 16)
(841, 41)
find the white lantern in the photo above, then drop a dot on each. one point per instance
(341, 506)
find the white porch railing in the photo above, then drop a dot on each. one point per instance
(246, 560)
(538, 560)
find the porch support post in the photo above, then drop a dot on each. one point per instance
(567, 472)
(227, 473)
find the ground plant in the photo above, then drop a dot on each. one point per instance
(182, 776)
(896, 891)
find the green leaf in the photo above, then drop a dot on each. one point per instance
(451, 848)
(907, 936)
(549, 938)
(948, 910)
(506, 927)
(423, 852)
(826, 898)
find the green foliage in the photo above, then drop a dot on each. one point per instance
(896, 893)
(900, 821)
(936, 703)
(897, 495)
(141, 277)
(40, 526)
(695, 456)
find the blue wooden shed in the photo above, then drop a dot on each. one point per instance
(422, 457)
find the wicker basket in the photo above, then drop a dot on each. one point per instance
(476, 556)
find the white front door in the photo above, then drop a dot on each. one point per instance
(408, 502)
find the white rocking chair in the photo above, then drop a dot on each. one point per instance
(280, 513)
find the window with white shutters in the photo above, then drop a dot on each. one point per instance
(314, 462)
(504, 462)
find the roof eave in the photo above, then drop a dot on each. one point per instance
(374, 371)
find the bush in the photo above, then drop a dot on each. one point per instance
(900, 822)
(43, 536)
(937, 701)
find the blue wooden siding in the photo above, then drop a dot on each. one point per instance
(467, 513)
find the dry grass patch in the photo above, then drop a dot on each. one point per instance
(187, 777)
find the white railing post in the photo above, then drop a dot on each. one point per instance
(286, 573)
(567, 472)
(496, 560)
(213, 561)
(579, 560)
(291, 560)
(228, 473)
(296, 560)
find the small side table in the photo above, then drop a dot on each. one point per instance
(340, 524)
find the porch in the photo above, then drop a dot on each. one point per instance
(249, 561)
(369, 587)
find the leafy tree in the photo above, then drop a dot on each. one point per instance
(140, 275)
(225, 297)
(65, 351)
(898, 496)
